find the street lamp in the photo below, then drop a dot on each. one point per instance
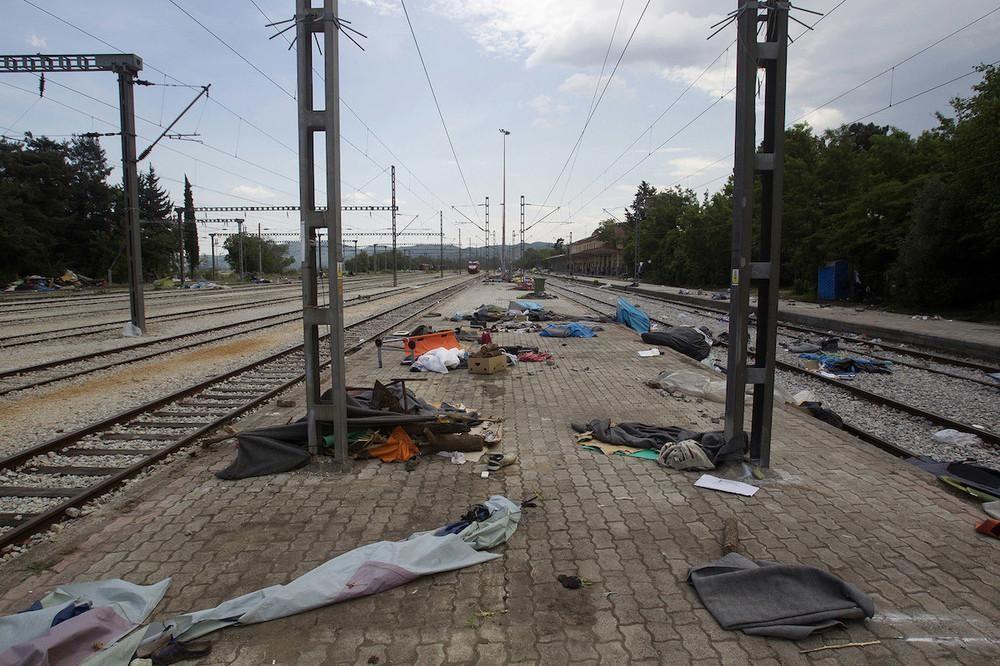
(503, 222)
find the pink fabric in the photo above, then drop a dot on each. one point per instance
(372, 578)
(70, 642)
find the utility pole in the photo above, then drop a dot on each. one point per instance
(522, 226)
(570, 253)
(487, 248)
(394, 280)
(239, 225)
(771, 56)
(319, 251)
(260, 253)
(503, 206)
(441, 223)
(180, 242)
(355, 255)
(459, 270)
(212, 237)
(310, 20)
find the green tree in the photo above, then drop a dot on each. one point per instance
(274, 256)
(190, 228)
(160, 242)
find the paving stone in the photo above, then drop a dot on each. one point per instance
(851, 509)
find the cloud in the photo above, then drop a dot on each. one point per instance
(546, 110)
(252, 192)
(716, 81)
(823, 119)
(36, 41)
(584, 84)
(576, 32)
(380, 7)
(685, 166)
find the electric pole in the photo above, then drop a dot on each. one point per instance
(212, 237)
(570, 253)
(310, 20)
(239, 225)
(260, 254)
(441, 224)
(180, 242)
(522, 226)
(394, 282)
(487, 248)
(771, 56)
(503, 206)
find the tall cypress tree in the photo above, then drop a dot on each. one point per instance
(190, 228)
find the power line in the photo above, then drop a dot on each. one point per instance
(237, 53)
(593, 111)
(438, 106)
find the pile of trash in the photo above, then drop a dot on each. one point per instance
(388, 422)
(68, 280)
(841, 366)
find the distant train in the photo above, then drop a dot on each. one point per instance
(473, 267)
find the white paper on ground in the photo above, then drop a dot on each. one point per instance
(649, 352)
(726, 485)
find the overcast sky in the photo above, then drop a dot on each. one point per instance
(530, 66)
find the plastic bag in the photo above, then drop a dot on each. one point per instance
(950, 436)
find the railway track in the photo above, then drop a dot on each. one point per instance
(955, 379)
(45, 482)
(935, 357)
(50, 372)
(868, 396)
(37, 337)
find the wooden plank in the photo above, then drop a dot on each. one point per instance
(107, 452)
(76, 471)
(20, 491)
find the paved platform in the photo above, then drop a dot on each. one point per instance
(627, 525)
(947, 335)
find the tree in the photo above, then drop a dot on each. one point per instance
(274, 256)
(92, 237)
(190, 228)
(360, 263)
(160, 242)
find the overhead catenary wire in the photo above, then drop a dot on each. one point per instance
(437, 105)
(593, 111)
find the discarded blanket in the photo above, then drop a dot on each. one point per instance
(114, 607)
(366, 570)
(779, 600)
(685, 339)
(847, 365)
(632, 316)
(571, 330)
(982, 482)
(643, 436)
(534, 356)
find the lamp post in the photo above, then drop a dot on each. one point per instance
(503, 204)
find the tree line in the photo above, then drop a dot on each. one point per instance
(917, 218)
(58, 212)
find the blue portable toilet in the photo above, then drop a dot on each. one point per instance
(834, 281)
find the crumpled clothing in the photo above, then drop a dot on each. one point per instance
(397, 448)
(686, 455)
(688, 340)
(643, 436)
(847, 365)
(534, 357)
(571, 330)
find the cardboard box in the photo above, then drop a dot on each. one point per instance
(487, 366)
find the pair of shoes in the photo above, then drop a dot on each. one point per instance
(498, 460)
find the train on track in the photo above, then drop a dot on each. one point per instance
(473, 267)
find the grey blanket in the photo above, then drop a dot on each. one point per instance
(780, 600)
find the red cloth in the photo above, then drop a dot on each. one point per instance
(534, 357)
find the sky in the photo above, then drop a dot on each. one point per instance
(533, 67)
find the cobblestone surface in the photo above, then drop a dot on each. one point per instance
(627, 526)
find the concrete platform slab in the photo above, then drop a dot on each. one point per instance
(629, 527)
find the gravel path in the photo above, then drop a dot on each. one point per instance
(72, 404)
(964, 401)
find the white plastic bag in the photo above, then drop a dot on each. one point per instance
(955, 437)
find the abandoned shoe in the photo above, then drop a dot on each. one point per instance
(174, 652)
(498, 460)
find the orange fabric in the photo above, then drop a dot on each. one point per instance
(397, 448)
(424, 343)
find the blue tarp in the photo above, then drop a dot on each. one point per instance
(572, 330)
(632, 316)
(528, 305)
